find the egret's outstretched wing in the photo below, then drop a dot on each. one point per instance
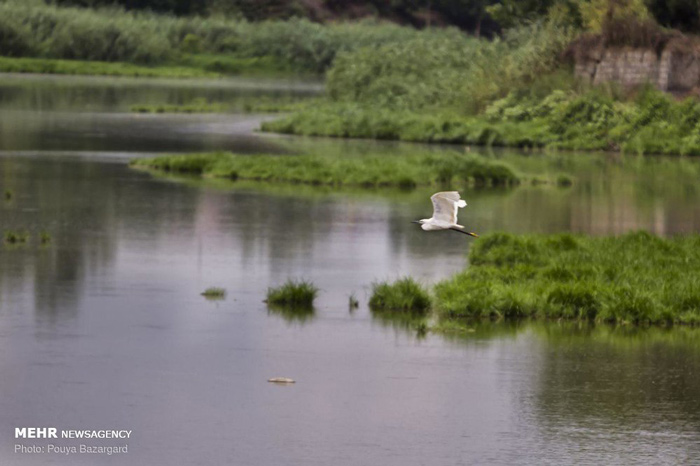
(445, 205)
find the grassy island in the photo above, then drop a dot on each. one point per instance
(633, 279)
(368, 170)
(636, 278)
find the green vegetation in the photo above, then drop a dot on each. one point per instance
(264, 104)
(44, 237)
(53, 66)
(214, 43)
(293, 294)
(8, 195)
(517, 90)
(404, 295)
(353, 302)
(367, 170)
(16, 237)
(214, 293)
(196, 106)
(635, 278)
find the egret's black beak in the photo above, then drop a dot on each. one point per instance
(415, 221)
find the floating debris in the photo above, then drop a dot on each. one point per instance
(281, 380)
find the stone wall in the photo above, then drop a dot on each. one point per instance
(671, 70)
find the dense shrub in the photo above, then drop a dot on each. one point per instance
(36, 29)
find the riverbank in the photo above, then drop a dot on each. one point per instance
(651, 123)
(190, 66)
(633, 279)
(367, 170)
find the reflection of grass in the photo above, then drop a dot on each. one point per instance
(410, 321)
(636, 278)
(369, 170)
(404, 295)
(214, 293)
(292, 314)
(293, 294)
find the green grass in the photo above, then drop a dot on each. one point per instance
(262, 104)
(45, 237)
(41, 30)
(293, 294)
(76, 67)
(16, 237)
(404, 295)
(214, 293)
(651, 122)
(8, 194)
(196, 106)
(366, 121)
(367, 170)
(353, 302)
(631, 279)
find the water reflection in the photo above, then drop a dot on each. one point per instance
(106, 325)
(53, 113)
(632, 390)
(292, 315)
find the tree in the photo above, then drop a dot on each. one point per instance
(681, 14)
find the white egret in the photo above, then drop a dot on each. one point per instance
(445, 205)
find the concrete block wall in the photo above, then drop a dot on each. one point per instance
(630, 67)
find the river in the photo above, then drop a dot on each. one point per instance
(105, 328)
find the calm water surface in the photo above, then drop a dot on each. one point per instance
(105, 328)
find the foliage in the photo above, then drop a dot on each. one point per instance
(214, 293)
(31, 29)
(196, 106)
(42, 65)
(652, 122)
(293, 294)
(16, 237)
(368, 170)
(635, 278)
(449, 71)
(596, 13)
(404, 295)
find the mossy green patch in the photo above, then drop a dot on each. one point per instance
(367, 170)
(636, 278)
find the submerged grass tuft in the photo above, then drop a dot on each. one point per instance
(44, 237)
(16, 237)
(404, 295)
(635, 278)
(293, 294)
(214, 293)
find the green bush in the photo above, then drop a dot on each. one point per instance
(404, 295)
(293, 294)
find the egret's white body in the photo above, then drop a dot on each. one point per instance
(445, 205)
